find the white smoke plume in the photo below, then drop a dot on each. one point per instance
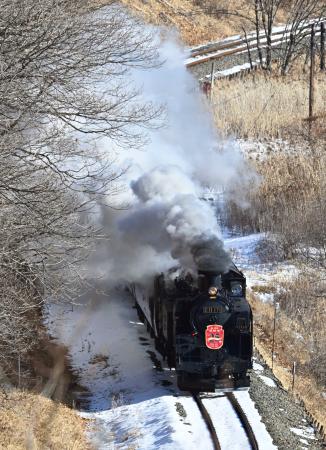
(167, 223)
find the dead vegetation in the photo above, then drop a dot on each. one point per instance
(263, 289)
(197, 21)
(262, 106)
(51, 175)
(31, 421)
(304, 301)
(300, 337)
(290, 203)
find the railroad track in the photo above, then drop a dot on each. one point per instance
(241, 415)
(240, 44)
(244, 421)
(208, 421)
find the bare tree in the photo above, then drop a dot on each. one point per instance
(263, 15)
(64, 82)
(297, 31)
(294, 40)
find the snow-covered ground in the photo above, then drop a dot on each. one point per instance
(229, 430)
(260, 150)
(131, 401)
(232, 71)
(258, 273)
(132, 397)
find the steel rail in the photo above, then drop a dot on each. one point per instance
(244, 421)
(208, 421)
(229, 42)
(235, 46)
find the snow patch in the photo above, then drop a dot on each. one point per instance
(263, 438)
(268, 381)
(307, 432)
(258, 367)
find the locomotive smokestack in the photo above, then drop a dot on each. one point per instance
(211, 260)
(210, 256)
(207, 280)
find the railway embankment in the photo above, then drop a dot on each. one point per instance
(284, 417)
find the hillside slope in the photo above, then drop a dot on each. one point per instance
(29, 420)
(196, 20)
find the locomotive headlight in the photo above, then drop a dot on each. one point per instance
(212, 291)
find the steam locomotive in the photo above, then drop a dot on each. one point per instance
(202, 328)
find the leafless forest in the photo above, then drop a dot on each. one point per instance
(63, 83)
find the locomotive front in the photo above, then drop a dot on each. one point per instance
(213, 334)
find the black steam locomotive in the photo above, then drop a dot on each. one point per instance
(204, 329)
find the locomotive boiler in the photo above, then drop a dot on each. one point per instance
(202, 326)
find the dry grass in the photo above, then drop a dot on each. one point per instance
(288, 348)
(295, 184)
(30, 421)
(263, 289)
(194, 24)
(193, 18)
(260, 106)
(289, 202)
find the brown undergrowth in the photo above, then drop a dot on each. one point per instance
(37, 418)
(34, 415)
(31, 421)
(291, 345)
(261, 105)
(288, 201)
(197, 21)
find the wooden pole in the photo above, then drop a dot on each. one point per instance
(293, 374)
(273, 339)
(322, 45)
(312, 76)
(257, 25)
(212, 79)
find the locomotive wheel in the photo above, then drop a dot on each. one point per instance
(184, 383)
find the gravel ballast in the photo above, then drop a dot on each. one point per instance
(283, 417)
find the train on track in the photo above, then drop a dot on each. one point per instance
(202, 325)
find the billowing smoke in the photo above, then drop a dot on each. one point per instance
(167, 223)
(170, 217)
(209, 255)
